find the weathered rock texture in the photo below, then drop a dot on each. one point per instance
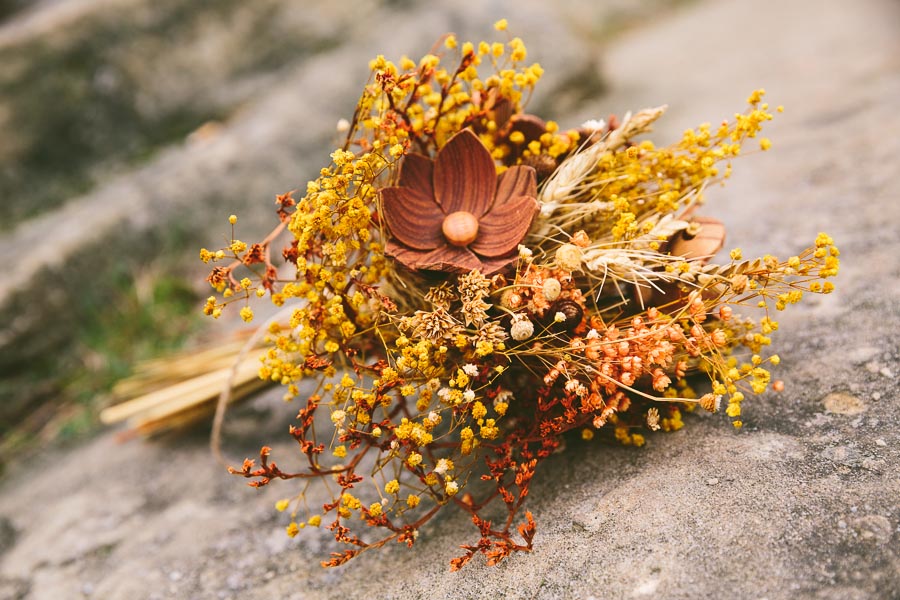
(802, 503)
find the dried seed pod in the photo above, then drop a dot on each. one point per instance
(571, 310)
(551, 289)
(703, 238)
(543, 164)
(568, 257)
(510, 298)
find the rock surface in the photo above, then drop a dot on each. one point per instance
(802, 503)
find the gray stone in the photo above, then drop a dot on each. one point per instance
(805, 504)
(8, 534)
(14, 588)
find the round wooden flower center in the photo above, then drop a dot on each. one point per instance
(460, 228)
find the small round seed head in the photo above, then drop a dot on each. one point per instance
(521, 329)
(568, 257)
(552, 289)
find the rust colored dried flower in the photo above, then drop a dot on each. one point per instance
(454, 213)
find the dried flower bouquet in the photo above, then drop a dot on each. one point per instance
(472, 283)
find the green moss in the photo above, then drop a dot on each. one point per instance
(126, 310)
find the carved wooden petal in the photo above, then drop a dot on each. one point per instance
(416, 173)
(702, 246)
(446, 258)
(489, 266)
(414, 219)
(464, 175)
(501, 109)
(515, 182)
(530, 126)
(501, 230)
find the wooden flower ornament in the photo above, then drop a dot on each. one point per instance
(455, 214)
(443, 372)
(700, 241)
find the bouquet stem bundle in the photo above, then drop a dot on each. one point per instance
(177, 391)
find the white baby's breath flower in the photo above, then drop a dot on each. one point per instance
(470, 370)
(468, 395)
(343, 125)
(443, 465)
(594, 125)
